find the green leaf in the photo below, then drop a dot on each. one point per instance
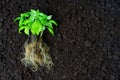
(26, 30)
(33, 11)
(49, 17)
(51, 31)
(37, 11)
(42, 14)
(42, 20)
(18, 18)
(32, 18)
(36, 27)
(21, 22)
(32, 31)
(48, 24)
(21, 28)
(25, 22)
(52, 21)
(43, 28)
(26, 14)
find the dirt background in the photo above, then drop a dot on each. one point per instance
(86, 45)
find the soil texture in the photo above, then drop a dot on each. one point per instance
(86, 45)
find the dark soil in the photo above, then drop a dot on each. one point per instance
(86, 45)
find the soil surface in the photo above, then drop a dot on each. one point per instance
(86, 45)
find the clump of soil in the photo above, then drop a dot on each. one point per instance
(36, 54)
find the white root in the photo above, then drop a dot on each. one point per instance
(36, 54)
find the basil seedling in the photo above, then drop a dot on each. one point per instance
(33, 24)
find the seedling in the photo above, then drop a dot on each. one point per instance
(33, 24)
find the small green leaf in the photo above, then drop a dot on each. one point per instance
(52, 21)
(42, 14)
(43, 28)
(42, 20)
(48, 24)
(26, 22)
(21, 28)
(51, 31)
(18, 18)
(37, 11)
(27, 14)
(21, 22)
(49, 17)
(32, 31)
(33, 11)
(36, 27)
(32, 18)
(26, 30)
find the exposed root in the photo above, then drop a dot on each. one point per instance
(36, 54)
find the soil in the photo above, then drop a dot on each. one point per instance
(86, 45)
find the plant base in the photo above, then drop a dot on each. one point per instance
(36, 54)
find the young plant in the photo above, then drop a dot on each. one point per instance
(33, 24)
